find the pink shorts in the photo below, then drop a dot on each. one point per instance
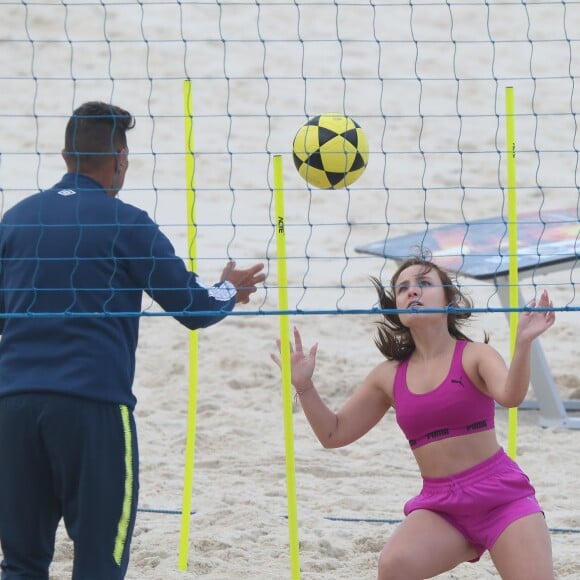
(480, 502)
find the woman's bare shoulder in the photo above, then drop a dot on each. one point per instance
(383, 377)
(478, 356)
(476, 351)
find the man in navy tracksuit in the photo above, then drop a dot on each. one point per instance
(74, 262)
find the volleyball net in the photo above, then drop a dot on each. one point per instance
(425, 80)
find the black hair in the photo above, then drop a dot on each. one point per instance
(95, 132)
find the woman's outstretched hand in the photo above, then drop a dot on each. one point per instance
(533, 323)
(302, 364)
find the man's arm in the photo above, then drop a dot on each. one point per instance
(165, 278)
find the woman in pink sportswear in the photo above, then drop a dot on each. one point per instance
(443, 388)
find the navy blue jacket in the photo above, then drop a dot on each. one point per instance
(71, 250)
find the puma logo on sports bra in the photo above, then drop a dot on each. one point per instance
(453, 408)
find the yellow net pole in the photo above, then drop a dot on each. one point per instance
(193, 335)
(513, 253)
(286, 372)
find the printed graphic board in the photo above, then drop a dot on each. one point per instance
(480, 248)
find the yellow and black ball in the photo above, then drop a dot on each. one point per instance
(330, 151)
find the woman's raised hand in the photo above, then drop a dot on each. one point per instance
(533, 323)
(302, 364)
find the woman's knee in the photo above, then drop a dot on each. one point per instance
(395, 564)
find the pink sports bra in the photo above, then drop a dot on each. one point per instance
(455, 407)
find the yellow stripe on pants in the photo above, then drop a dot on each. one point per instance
(123, 526)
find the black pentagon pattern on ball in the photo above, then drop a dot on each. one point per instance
(358, 162)
(334, 178)
(315, 160)
(297, 161)
(313, 120)
(325, 135)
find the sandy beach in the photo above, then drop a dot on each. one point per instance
(431, 101)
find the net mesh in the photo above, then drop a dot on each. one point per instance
(425, 80)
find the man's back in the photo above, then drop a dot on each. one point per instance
(74, 264)
(63, 263)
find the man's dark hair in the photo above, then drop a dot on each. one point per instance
(95, 132)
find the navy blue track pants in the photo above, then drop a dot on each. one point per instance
(70, 458)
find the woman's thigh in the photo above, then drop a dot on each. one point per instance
(424, 545)
(524, 550)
